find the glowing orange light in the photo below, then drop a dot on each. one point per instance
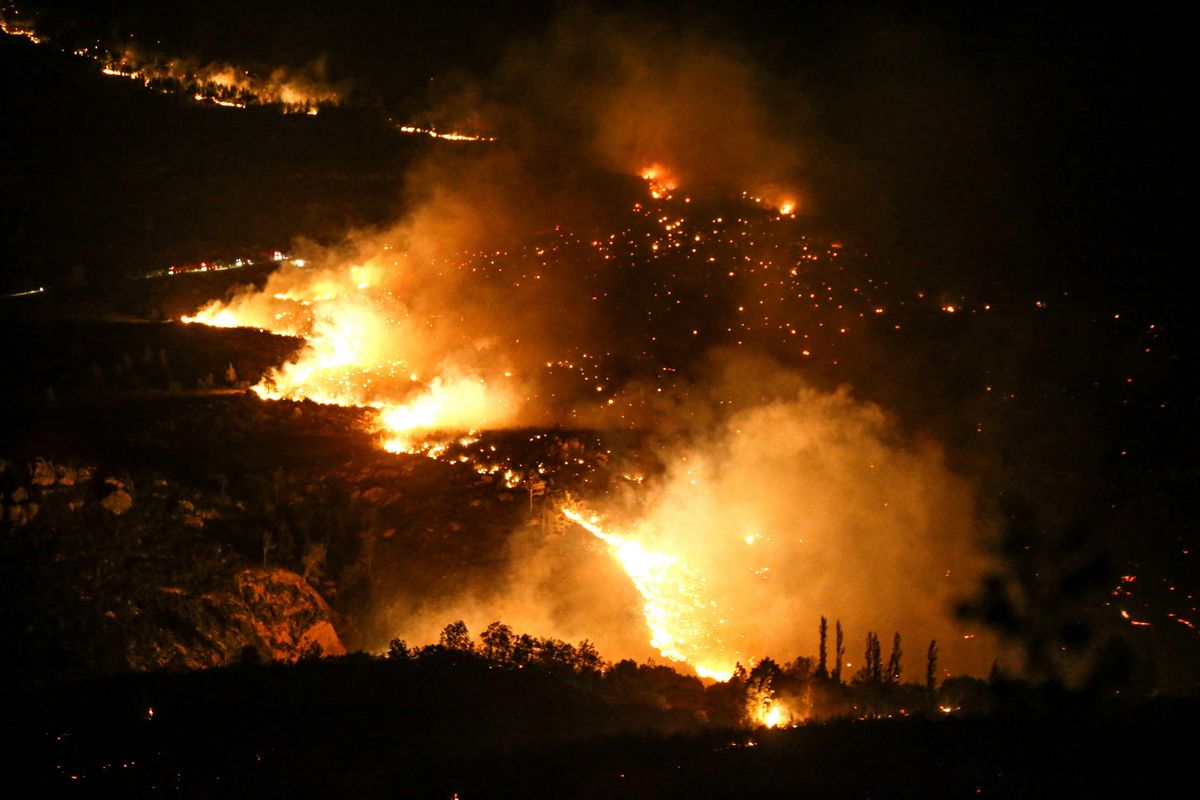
(661, 183)
(674, 609)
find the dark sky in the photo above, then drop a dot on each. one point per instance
(988, 143)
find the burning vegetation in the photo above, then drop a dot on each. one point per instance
(303, 90)
(292, 91)
(679, 300)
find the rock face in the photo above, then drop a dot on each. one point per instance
(287, 615)
(118, 502)
(126, 574)
(263, 614)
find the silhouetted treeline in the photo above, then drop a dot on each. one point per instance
(508, 714)
(796, 688)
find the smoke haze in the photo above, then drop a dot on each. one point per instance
(781, 501)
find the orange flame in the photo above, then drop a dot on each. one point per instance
(360, 352)
(768, 711)
(660, 181)
(675, 610)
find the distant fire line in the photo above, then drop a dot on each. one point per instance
(224, 85)
(452, 136)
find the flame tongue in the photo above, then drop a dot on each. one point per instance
(682, 625)
(363, 349)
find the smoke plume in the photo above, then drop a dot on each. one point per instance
(782, 503)
(779, 502)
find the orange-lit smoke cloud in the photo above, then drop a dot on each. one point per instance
(421, 315)
(796, 503)
(813, 504)
(788, 502)
(626, 93)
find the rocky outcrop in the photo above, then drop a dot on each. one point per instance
(118, 502)
(287, 615)
(259, 615)
(142, 581)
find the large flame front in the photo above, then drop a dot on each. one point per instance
(362, 350)
(680, 619)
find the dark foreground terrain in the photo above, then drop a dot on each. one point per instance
(448, 725)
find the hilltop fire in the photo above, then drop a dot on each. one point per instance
(666, 289)
(304, 90)
(448, 343)
(292, 91)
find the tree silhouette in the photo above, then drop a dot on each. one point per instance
(497, 641)
(893, 667)
(872, 668)
(764, 675)
(931, 657)
(839, 652)
(455, 636)
(823, 659)
(588, 658)
(398, 650)
(522, 650)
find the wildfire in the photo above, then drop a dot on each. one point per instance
(19, 28)
(775, 198)
(453, 403)
(221, 84)
(292, 91)
(359, 352)
(675, 610)
(302, 91)
(216, 318)
(769, 712)
(660, 181)
(452, 136)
